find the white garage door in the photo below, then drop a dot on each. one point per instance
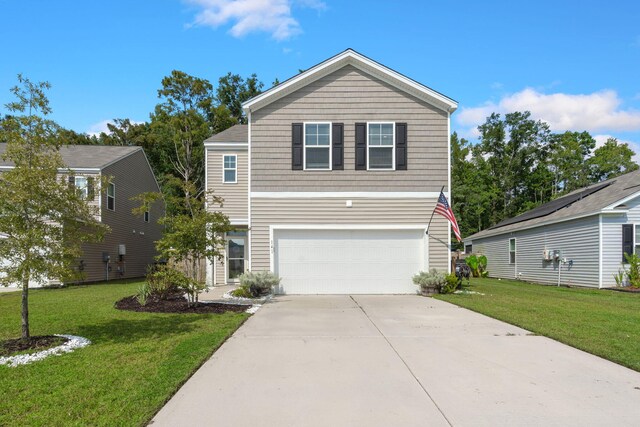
(348, 261)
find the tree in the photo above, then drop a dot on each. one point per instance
(512, 150)
(233, 90)
(182, 119)
(611, 160)
(567, 154)
(43, 218)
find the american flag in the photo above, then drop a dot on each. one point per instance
(443, 208)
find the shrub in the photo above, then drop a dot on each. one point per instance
(144, 292)
(259, 283)
(241, 292)
(620, 278)
(452, 282)
(633, 273)
(472, 262)
(163, 281)
(482, 265)
(430, 282)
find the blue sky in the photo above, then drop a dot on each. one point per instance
(575, 64)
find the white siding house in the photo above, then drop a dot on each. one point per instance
(575, 240)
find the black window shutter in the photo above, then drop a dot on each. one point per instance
(337, 141)
(627, 240)
(361, 146)
(296, 146)
(72, 181)
(401, 146)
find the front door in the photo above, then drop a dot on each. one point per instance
(236, 249)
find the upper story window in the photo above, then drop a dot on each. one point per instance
(82, 185)
(146, 215)
(512, 251)
(380, 146)
(111, 196)
(317, 146)
(230, 169)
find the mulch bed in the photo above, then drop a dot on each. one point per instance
(176, 303)
(626, 289)
(10, 347)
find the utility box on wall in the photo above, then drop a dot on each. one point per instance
(122, 249)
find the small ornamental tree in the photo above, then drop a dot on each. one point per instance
(43, 219)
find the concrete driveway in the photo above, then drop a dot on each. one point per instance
(397, 361)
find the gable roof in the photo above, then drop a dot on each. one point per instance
(238, 134)
(85, 156)
(607, 196)
(369, 66)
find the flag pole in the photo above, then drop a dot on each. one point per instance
(434, 211)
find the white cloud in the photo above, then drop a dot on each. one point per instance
(96, 128)
(594, 112)
(271, 16)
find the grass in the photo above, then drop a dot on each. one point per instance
(601, 322)
(135, 363)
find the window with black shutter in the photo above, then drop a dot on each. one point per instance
(401, 146)
(361, 146)
(296, 146)
(337, 146)
(627, 241)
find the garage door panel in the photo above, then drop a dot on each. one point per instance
(348, 261)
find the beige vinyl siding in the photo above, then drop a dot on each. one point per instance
(348, 96)
(235, 195)
(131, 176)
(370, 211)
(578, 240)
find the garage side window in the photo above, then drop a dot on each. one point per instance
(317, 146)
(512, 251)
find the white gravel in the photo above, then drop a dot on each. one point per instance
(23, 359)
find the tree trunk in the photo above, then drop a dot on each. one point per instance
(25, 308)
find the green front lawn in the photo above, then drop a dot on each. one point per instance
(134, 365)
(601, 322)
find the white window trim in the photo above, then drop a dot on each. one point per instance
(393, 146)
(229, 169)
(114, 196)
(515, 250)
(304, 145)
(85, 194)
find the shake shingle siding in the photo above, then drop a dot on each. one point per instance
(235, 196)
(348, 96)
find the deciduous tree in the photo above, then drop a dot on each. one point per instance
(43, 219)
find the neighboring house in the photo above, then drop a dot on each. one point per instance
(332, 182)
(129, 247)
(578, 239)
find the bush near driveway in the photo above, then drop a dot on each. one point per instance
(135, 363)
(602, 322)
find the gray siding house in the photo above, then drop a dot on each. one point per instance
(332, 182)
(129, 248)
(579, 239)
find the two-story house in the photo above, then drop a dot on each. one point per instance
(332, 182)
(129, 248)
